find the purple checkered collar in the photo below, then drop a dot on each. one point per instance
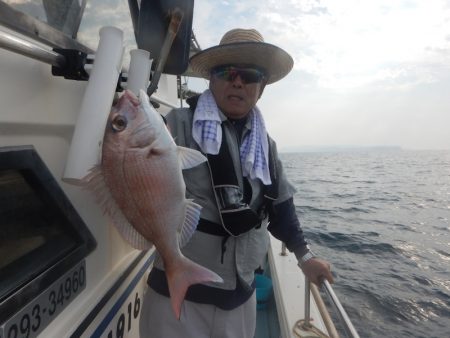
(254, 149)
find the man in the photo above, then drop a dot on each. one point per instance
(240, 186)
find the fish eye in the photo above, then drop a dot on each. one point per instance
(119, 123)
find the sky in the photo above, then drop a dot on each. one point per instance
(366, 73)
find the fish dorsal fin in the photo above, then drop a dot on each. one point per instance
(189, 158)
(191, 218)
(95, 183)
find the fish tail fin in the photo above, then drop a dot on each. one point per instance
(187, 274)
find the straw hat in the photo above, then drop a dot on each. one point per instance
(244, 46)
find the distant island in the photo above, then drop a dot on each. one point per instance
(320, 149)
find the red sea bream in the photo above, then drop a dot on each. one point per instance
(140, 185)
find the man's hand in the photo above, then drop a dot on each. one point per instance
(316, 270)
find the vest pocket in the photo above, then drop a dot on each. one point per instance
(239, 221)
(237, 216)
(251, 250)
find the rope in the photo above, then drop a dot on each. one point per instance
(302, 331)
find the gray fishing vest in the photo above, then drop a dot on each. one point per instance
(229, 256)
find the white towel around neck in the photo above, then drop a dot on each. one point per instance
(254, 149)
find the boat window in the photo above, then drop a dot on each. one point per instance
(41, 234)
(63, 15)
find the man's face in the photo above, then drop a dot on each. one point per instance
(236, 89)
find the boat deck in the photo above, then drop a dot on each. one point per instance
(267, 320)
(286, 304)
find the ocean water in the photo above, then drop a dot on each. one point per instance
(382, 219)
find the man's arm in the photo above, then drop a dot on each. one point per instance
(285, 226)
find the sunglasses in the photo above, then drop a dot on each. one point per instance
(230, 73)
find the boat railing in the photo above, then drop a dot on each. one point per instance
(344, 319)
(16, 44)
(23, 47)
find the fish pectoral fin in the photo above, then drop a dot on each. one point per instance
(190, 158)
(191, 218)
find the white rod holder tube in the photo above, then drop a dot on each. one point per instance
(139, 71)
(86, 145)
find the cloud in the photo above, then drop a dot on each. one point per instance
(344, 43)
(107, 13)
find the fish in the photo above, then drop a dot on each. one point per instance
(139, 183)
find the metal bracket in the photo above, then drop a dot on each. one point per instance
(73, 68)
(76, 65)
